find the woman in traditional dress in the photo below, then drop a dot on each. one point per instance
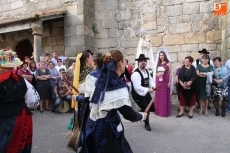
(91, 78)
(204, 71)
(84, 65)
(104, 129)
(163, 97)
(43, 86)
(16, 128)
(187, 87)
(219, 86)
(145, 47)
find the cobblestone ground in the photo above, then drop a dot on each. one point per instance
(206, 134)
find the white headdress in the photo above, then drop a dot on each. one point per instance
(162, 49)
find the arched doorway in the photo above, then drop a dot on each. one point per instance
(24, 48)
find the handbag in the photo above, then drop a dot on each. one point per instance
(32, 97)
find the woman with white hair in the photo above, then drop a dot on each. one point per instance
(163, 78)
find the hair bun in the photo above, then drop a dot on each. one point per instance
(107, 58)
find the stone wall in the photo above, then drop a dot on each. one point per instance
(53, 37)
(182, 26)
(225, 45)
(69, 37)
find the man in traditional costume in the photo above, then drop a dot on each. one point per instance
(142, 86)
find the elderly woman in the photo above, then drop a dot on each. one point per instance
(43, 85)
(204, 72)
(187, 86)
(220, 87)
(15, 118)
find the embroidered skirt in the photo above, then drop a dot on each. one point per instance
(16, 134)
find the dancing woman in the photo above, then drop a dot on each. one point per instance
(104, 129)
(84, 65)
(16, 129)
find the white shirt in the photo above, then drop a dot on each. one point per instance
(59, 67)
(55, 60)
(136, 80)
(195, 64)
(228, 66)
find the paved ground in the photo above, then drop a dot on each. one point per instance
(204, 134)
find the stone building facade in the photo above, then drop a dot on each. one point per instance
(70, 26)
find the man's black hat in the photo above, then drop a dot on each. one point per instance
(204, 51)
(141, 57)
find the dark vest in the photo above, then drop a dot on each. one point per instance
(144, 81)
(12, 100)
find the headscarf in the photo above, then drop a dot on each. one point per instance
(162, 49)
(108, 80)
(6, 74)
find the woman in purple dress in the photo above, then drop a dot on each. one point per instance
(163, 79)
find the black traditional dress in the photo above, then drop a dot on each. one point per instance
(15, 117)
(104, 131)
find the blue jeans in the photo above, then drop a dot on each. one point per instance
(228, 106)
(59, 100)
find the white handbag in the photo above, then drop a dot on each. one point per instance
(32, 97)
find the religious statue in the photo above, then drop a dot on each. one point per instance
(145, 47)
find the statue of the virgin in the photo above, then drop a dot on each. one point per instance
(145, 47)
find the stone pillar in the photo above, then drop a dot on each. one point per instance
(37, 32)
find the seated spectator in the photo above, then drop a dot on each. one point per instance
(62, 89)
(60, 65)
(70, 71)
(56, 57)
(25, 73)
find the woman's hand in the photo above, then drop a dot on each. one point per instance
(169, 84)
(144, 115)
(189, 83)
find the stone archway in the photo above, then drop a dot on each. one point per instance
(14, 39)
(24, 48)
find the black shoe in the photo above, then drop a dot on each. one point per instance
(217, 113)
(41, 111)
(223, 114)
(209, 107)
(190, 117)
(147, 127)
(179, 115)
